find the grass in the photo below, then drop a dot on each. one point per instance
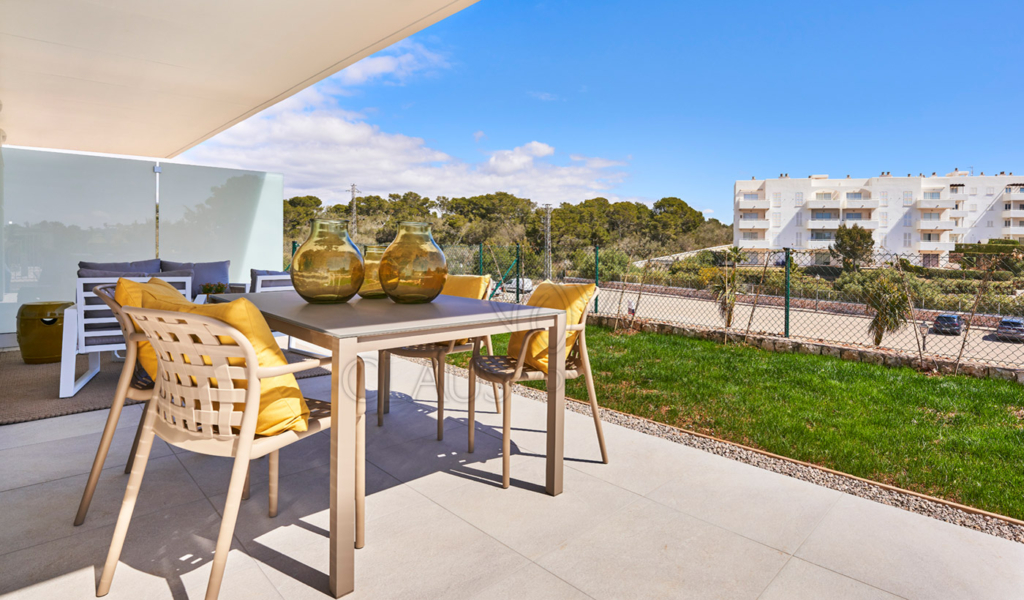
(957, 438)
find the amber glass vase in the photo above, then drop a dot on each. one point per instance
(413, 269)
(327, 268)
(371, 288)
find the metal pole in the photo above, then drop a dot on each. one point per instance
(480, 252)
(597, 271)
(787, 291)
(354, 226)
(547, 242)
(295, 247)
(519, 272)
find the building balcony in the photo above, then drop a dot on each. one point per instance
(753, 223)
(960, 214)
(935, 246)
(753, 244)
(1013, 214)
(1014, 231)
(935, 225)
(815, 203)
(940, 203)
(865, 203)
(818, 244)
(1013, 195)
(865, 223)
(823, 224)
(753, 204)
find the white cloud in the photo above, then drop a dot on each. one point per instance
(321, 148)
(544, 96)
(478, 135)
(708, 211)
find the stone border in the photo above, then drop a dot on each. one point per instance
(936, 508)
(774, 343)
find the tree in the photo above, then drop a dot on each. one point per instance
(853, 245)
(298, 212)
(884, 295)
(724, 284)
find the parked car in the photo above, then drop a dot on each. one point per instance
(525, 285)
(948, 324)
(1010, 330)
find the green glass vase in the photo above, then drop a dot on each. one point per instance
(371, 288)
(327, 268)
(413, 269)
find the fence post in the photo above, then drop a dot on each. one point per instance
(519, 271)
(597, 272)
(295, 247)
(481, 254)
(787, 290)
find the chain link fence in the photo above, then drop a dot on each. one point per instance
(945, 305)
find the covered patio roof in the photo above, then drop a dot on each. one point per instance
(149, 78)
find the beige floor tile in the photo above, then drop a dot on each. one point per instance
(800, 580)
(777, 511)
(39, 513)
(529, 521)
(651, 551)
(912, 555)
(424, 553)
(47, 461)
(58, 428)
(532, 583)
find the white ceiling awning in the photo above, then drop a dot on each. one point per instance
(151, 78)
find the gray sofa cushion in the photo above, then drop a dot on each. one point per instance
(202, 273)
(254, 273)
(110, 273)
(140, 266)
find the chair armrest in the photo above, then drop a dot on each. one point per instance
(580, 327)
(238, 288)
(305, 365)
(521, 360)
(137, 337)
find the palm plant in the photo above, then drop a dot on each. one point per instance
(889, 302)
(724, 288)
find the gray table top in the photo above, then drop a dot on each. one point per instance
(362, 317)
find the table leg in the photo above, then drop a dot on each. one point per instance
(343, 428)
(556, 406)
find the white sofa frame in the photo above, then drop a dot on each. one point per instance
(81, 338)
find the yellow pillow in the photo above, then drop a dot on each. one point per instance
(466, 286)
(129, 293)
(282, 406)
(573, 299)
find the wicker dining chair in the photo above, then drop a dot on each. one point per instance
(505, 370)
(188, 412)
(438, 355)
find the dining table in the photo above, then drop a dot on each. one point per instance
(366, 325)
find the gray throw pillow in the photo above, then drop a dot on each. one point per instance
(202, 273)
(139, 266)
(254, 273)
(107, 273)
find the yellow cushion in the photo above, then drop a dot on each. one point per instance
(282, 406)
(573, 299)
(129, 293)
(466, 286)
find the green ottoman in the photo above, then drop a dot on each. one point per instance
(40, 331)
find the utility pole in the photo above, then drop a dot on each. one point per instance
(354, 225)
(547, 241)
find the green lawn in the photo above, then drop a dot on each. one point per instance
(953, 437)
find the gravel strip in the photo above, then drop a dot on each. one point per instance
(840, 483)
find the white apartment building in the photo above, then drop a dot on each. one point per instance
(924, 215)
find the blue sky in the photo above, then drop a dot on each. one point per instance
(562, 101)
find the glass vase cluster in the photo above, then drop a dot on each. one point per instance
(413, 269)
(371, 288)
(327, 268)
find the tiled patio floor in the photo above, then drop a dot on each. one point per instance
(661, 521)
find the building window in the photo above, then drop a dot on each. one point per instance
(931, 195)
(1009, 190)
(974, 191)
(906, 240)
(990, 191)
(750, 196)
(908, 198)
(823, 196)
(854, 216)
(777, 199)
(776, 219)
(854, 196)
(822, 235)
(749, 235)
(931, 237)
(931, 216)
(1007, 222)
(822, 215)
(988, 223)
(884, 199)
(799, 219)
(908, 219)
(798, 199)
(1007, 206)
(972, 207)
(798, 240)
(884, 220)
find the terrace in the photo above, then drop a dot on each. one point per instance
(673, 513)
